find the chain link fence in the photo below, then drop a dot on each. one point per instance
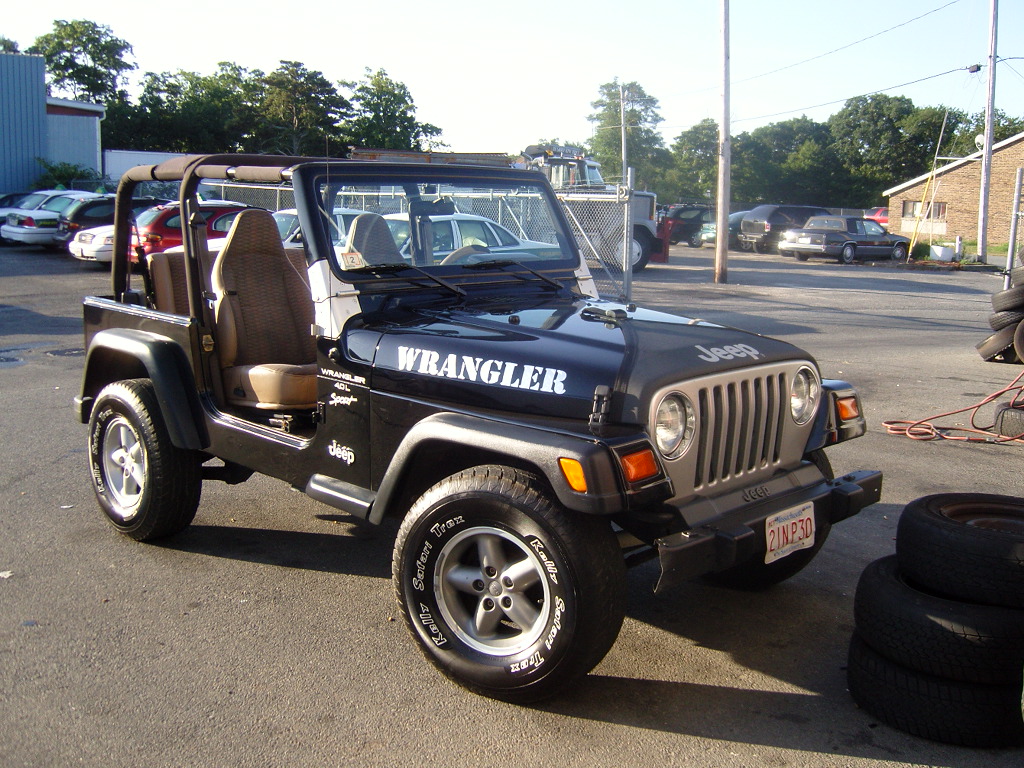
(597, 219)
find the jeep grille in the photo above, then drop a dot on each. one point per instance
(743, 431)
(739, 427)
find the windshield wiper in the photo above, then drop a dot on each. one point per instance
(378, 269)
(513, 263)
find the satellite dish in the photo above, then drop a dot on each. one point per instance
(979, 141)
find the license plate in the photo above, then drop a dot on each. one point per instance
(803, 239)
(787, 531)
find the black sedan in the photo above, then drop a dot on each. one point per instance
(846, 238)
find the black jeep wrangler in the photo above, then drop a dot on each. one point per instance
(532, 439)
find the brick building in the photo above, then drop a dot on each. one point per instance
(950, 206)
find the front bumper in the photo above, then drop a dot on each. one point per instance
(730, 537)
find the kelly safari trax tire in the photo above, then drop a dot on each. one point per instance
(930, 634)
(948, 711)
(506, 592)
(147, 487)
(968, 546)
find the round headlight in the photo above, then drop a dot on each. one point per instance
(804, 395)
(673, 429)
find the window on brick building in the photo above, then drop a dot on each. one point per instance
(913, 209)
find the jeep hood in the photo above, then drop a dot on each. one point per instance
(545, 357)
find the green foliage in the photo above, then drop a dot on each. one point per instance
(645, 148)
(8, 46)
(302, 112)
(385, 116)
(60, 175)
(84, 60)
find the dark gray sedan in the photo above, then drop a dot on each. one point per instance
(846, 238)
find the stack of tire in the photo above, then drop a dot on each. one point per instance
(1006, 344)
(938, 649)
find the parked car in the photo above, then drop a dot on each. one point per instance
(12, 200)
(709, 232)
(37, 225)
(288, 225)
(458, 230)
(159, 227)
(687, 222)
(96, 244)
(846, 238)
(762, 227)
(878, 215)
(87, 213)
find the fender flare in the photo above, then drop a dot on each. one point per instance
(829, 428)
(544, 448)
(127, 353)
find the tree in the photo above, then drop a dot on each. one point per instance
(1003, 127)
(8, 46)
(385, 116)
(694, 171)
(302, 112)
(84, 60)
(645, 148)
(189, 112)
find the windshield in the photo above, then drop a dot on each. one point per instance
(32, 201)
(57, 204)
(447, 223)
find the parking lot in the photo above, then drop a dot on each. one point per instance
(267, 634)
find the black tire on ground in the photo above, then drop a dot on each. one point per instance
(506, 592)
(999, 346)
(1018, 341)
(147, 487)
(754, 574)
(848, 254)
(949, 711)
(999, 320)
(1009, 422)
(802, 256)
(694, 240)
(642, 246)
(899, 252)
(1017, 276)
(760, 246)
(945, 638)
(1011, 298)
(967, 546)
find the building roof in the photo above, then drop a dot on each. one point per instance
(68, 107)
(952, 166)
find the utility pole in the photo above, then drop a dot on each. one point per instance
(986, 152)
(724, 162)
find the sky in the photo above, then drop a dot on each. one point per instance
(496, 77)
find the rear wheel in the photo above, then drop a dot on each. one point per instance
(147, 487)
(848, 255)
(506, 592)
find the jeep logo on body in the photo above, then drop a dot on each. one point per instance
(715, 354)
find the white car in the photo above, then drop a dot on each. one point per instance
(456, 230)
(35, 222)
(96, 244)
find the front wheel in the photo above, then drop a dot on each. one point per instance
(507, 593)
(899, 252)
(147, 487)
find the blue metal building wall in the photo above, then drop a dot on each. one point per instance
(23, 127)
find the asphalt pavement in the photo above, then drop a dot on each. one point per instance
(267, 634)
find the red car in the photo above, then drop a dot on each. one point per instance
(880, 215)
(159, 227)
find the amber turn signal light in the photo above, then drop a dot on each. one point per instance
(574, 475)
(848, 408)
(639, 466)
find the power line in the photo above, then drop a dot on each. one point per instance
(870, 93)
